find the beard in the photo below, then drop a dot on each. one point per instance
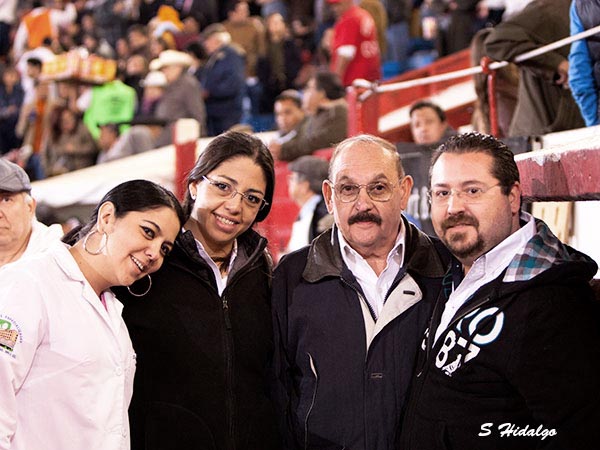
(458, 243)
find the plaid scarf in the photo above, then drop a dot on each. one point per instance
(542, 251)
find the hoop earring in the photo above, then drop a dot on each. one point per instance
(145, 292)
(103, 242)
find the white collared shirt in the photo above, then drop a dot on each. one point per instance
(42, 237)
(374, 287)
(485, 269)
(219, 277)
(301, 227)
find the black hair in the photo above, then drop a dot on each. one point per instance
(130, 196)
(331, 83)
(34, 62)
(288, 95)
(504, 167)
(112, 126)
(427, 104)
(196, 49)
(226, 146)
(232, 5)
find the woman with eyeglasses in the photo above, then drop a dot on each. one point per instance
(66, 359)
(203, 336)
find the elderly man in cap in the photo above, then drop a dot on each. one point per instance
(304, 187)
(154, 88)
(20, 232)
(223, 79)
(182, 97)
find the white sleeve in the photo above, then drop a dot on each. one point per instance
(20, 41)
(63, 17)
(84, 101)
(347, 51)
(21, 331)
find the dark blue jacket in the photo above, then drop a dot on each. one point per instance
(334, 391)
(223, 77)
(10, 106)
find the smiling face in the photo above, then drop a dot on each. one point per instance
(370, 227)
(471, 229)
(137, 242)
(216, 221)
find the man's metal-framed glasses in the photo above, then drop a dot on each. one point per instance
(378, 191)
(469, 194)
(226, 190)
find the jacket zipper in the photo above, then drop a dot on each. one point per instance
(365, 374)
(226, 313)
(314, 399)
(230, 400)
(253, 262)
(229, 362)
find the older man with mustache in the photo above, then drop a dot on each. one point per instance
(350, 308)
(512, 354)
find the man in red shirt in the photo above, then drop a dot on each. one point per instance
(355, 50)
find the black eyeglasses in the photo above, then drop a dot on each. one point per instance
(226, 190)
(379, 191)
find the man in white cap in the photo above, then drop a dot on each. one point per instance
(20, 232)
(154, 88)
(182, 97)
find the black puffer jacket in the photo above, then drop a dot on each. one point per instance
(202, 359)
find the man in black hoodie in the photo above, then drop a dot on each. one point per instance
(512, 354)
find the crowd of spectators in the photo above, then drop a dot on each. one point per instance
(228, 62)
